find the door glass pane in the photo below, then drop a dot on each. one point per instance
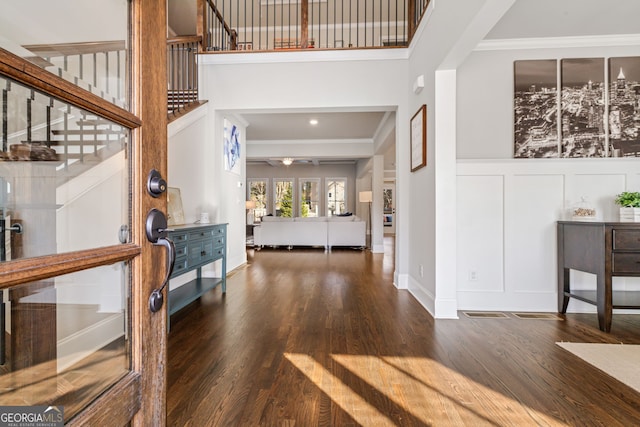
(258, 195)
(284, 198)
(64, 176)
(336, 196)
(309, 197)
(76, 40)
(65, 339)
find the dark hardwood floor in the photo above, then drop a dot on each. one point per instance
(308, 338)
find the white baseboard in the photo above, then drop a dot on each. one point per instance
(377, 249)
(401, 281)
(424, 297)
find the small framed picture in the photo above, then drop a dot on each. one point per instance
(418, 136)
(244, 46)
(175, 213)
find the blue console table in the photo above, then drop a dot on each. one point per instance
(197, 245)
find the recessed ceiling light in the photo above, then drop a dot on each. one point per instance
(313, 122)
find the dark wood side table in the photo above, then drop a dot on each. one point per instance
(605, 249)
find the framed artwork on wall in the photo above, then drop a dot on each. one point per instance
(535, 108)
(231, 147)
(175, 212)
(582, 107)
(577, 107)
(418, 136)
(624, 106)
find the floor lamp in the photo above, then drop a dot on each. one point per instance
(250, 205)
(367, 197)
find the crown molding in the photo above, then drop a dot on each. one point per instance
(559, 42)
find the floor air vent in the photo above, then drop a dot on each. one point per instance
(538, 316)
(485, 315)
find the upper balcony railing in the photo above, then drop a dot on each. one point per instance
(268, 25)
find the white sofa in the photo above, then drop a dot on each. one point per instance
(310, 231)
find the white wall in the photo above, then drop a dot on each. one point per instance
(444, 39)
(295, 81)
(468, 94)
(63, 21)
(195, 165)
(501, 263)
(485, 85)
(507, 213)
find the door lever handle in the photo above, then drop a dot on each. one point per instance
(156, 299)
(156, 228)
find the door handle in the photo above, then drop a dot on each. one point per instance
(156, 227)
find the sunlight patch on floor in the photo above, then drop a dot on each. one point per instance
(415, 384)
(350, 402)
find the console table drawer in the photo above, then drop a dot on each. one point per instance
(626, 262)
(218, 241)
(218, 252)
(201, 235)
(179, 237)
(179, 267)
(626, 240)
(181, 250)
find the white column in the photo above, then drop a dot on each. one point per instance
(446, 299)
(377, 185)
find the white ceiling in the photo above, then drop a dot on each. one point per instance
(296, 126)
(526, 19)
(568, 18)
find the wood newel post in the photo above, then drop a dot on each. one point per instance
(234, 40)
(304, 24)
(411, 19)
(201, 25)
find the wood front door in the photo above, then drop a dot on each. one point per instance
(76, 329)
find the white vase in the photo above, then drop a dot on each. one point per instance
(629, 214)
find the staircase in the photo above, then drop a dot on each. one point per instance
(92, 142)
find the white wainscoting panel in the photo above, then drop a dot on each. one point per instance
(506, 227)
(480, 233)
(530, 221)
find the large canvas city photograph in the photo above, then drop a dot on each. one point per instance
(624, 106)
(582, 107)
(536, 108)
(594, 114)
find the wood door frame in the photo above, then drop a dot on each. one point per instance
(149, 100)
(140, 396)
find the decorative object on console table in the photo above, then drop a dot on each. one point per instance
(629, 202)
(418, 132)
(196, 246)
(583, 211)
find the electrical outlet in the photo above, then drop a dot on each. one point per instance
(421, 270)
(473, 275)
